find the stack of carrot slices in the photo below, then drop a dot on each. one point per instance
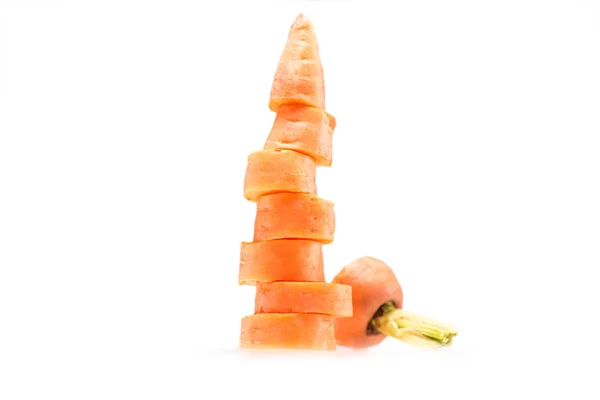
(294, 307)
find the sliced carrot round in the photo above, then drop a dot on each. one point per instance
(299, 75)
(288, 331)
(304, 297)
(303, 129)
(294, 216)
(281, 260)
(373, 284)
(273, 171)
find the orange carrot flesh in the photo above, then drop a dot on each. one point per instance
(275, 171)
(294, 216)
(299, 75)
(304, 297)
(303, 129)
(373, 284)
(288, 331)
(281, 260)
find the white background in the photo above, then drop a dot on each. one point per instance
(466, 155)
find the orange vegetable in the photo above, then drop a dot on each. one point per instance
(294, 307)
(373, 284)
(303, 129)
(275, 171)
(377, 310)
(288, 331)
(299, 75)
(294, 216)
(304, 297)
(281, 260)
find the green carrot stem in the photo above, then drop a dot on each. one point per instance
(412, 328)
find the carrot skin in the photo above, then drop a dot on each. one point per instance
(303, 129)
(373, 283)
(275, 171)
(294, 216)
(281, 260)
(299, 76)
(304, 297)
(288, 331)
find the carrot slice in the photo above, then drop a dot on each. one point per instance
(304, 297)
(373, 284)
(288, 331)
(294, 216)
(299, 74)
(274, 171)
(303, 129)
(281, 260)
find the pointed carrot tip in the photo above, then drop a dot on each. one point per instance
(299, 75)
(301, 22)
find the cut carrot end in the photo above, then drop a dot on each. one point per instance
(412, 328)
(373, 283)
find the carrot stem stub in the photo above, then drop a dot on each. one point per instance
(377, 313)
(412, 328)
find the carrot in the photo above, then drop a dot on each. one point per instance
(275, 171)
(281, 260)
(377, 310)
(294, 307)
(304, 297)
(303, 129)
(294, 216)
(299, 75)
(288, 331)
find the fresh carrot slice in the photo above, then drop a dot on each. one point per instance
(281, 260)
(294, 216)
(304, 297)
(373, 284)
(299, 74)
(303, 129)
(288, 331)
(274, 171)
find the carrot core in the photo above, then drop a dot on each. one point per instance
(410, 328)
(381, 311)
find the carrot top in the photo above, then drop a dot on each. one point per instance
(299, 75)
